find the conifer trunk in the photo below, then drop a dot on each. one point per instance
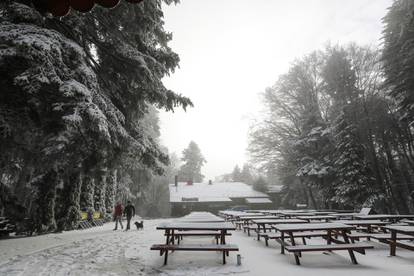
(100, 191)
(46, 201)
(87, 193)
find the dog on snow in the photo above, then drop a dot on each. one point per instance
(139, 225)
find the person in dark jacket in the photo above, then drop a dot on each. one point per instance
(119, 209)
(129, 212)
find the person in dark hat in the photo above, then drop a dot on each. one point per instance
(129, 211)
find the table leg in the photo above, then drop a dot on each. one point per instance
(329, 237)
(393, 243)
(224, 240)
(351, 252)
(167, 232)
(369, 230)
(282, 238)
(297, 254)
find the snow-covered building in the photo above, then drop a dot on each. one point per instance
(187, 197)
(275, 192)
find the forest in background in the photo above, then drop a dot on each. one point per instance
(338, 128)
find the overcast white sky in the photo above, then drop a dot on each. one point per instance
(231, 50)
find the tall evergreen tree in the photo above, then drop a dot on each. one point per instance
(398, 56)
(236, 174)
(193, 162)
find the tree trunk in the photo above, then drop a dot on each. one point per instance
(111, 182)
(73, 187)
(46, 201)
(87, 193)
(100, 191)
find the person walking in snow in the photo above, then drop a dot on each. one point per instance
(129, 212)
(119, 209)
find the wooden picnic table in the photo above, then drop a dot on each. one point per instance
(238, 216)
(395, 230)
(250, 218)
(345, 215)
(170, 229)
(393, 218)
(262, 223)
(295, 214)
(288, 230)
(279, 212)
(323, 213)
(369, 223)
(317, 217)
(409, 222)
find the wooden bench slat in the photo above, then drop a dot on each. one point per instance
(185, 233)
(298, 235)
(386, 236)
(359, 235)
(405, 245)
(196, 247)
(326, 247)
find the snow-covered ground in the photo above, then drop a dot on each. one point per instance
(101, 251)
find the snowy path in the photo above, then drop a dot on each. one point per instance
(101, 251)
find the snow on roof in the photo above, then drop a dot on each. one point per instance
(258, 200)
(274, 188)
(216, 192)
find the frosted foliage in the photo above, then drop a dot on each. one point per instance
(56, 68)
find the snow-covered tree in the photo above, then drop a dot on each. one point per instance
(193, 162)
(73, 109)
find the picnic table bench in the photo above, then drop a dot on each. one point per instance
(176, 227)
(408, 221)
(302, 235)
(225, 248)
(261, 224)
(180, 235)
(288, 231)
(255, 228)
(367, 227)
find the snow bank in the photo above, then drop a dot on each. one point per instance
(101, 251)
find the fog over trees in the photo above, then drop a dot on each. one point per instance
(338, 130)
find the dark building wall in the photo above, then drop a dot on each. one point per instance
(179, 209)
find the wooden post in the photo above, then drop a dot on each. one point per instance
(393, 243)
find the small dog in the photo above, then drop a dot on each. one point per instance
(139, 225)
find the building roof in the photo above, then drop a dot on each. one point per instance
(274, 188)
(216, 192)
(258, 200)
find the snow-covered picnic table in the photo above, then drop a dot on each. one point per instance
(394, 242)
(216, 229)
(392, 218)
(261, 224)
(317, 217)
(288, 230)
